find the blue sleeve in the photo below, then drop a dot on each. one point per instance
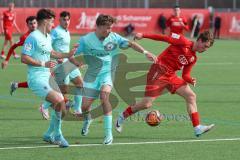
(80, 48)
(53, 35)
(122, 42)
(29, 46)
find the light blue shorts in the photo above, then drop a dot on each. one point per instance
(75, 73)
(92, 84)
(40, 85)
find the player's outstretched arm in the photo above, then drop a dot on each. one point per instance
(57, 55)
(30, 61)
(140, 49)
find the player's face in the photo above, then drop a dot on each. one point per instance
(64, 22)
(32, 25)
(104, 31)
(177, 12)
(49, 24)
(11, 6)
(202, 46)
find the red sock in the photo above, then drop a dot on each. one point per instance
(128, 112)
(195, 119)
(23, 85)
(2, 52)
(66, 100)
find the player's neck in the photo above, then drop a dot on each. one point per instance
(194, 47)
(101, 38)
(43, 30)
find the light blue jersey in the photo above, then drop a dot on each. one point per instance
(102, 50)
(38, 46)
(61, 43)
(60, 39)
(99, 58)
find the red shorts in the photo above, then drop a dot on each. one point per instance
(8, 33)
(160, 80)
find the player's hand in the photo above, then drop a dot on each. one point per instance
(4, 64)
(138, 36)
(50, 64)
(60, 61)
(72, 52)
(151, 57)
(194, 82)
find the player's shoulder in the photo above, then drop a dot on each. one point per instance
(180, 38)
(89, 36)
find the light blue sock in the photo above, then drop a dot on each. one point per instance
(51, 125)
(77, 103)
(107, 125)
(57, 123)
(46, 104)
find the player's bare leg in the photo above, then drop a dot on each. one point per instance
(145, 103)
(14, 53)
(78, 82)
(15, 85)
(86, 106)
(3, 49)
(54, 130)
(190, 98)
(107, 110)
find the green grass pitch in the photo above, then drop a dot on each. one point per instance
(218, 99)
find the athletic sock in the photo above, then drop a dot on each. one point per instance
(108, 125)
(57, 123)
(195, 119)
(22, 85)
(127, 112)
(51, 125)
(77, 103)
(46, 104)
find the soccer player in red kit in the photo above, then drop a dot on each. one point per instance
(8, 21)
(180, 55)
(32, 25)
(176, 22)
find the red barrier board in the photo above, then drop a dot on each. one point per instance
(230, 24)
(144, 20)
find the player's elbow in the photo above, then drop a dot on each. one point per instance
(23, 59)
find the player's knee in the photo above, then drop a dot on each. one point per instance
(147, 105)
(192, 97)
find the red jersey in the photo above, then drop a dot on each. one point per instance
(8, 19)
(175, 24)
(178, 55)
(19, 43)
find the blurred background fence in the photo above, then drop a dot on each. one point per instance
(231, 5)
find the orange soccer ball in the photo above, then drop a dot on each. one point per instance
(153, 118)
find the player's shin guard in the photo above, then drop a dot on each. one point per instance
(51, 125)
(46, 104)
(108, 125)
(127, 112)
(195, 119)
(77, 103)
(57, 123)
(22, 85)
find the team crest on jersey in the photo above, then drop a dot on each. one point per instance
(110, 46)
(28, 47)
(192, 59)
(182, 59)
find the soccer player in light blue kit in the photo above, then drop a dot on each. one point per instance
(104, 45)
(61, 43)
(36, 54)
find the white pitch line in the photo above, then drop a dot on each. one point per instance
(204, 64)
(131, 143)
